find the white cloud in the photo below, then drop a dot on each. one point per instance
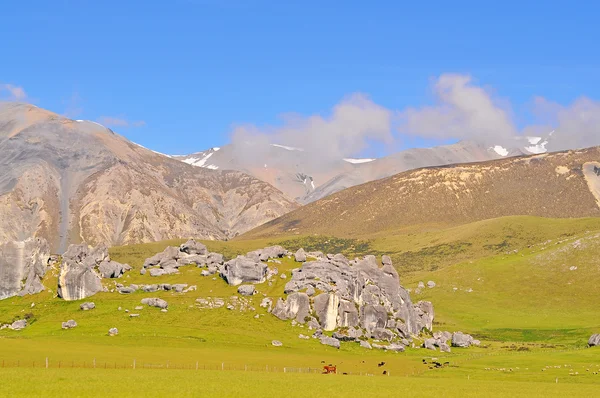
(463, 111)
(12, 93)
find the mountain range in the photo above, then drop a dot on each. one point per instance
(70, 181)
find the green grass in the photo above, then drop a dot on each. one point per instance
(507, 281)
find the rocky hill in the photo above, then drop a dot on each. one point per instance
(72, 180)
(561, 184)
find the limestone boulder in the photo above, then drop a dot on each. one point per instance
(296, 306)
(244, 270)
(23, 264)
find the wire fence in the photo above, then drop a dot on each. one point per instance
(48, 363)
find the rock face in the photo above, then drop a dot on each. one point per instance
(594, 340)
(359, 293)
(82, 269)
(244, 270)
(23, 264)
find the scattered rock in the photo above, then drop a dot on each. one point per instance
(126, 290)
(246, 290)
(70, 324)
(87, 306)
(303, 337)
(365, 344)
(430, 344)
(421, 285)
(283, 276)
(431, 284)
(18, 325)
(155, 302)
(134, 315)
(113, 331)
(276, 343)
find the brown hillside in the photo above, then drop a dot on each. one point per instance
(562, 184)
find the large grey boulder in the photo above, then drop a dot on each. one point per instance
(594, 340)
(78, 277)
(126, 289)
(112, 269)
(460, 339)
(300, 256)
(23, 264)
(243, 270)
(330, 341)
(347, 314)
(193, 248)
(296, 306)
(246, 290)
(430, 344)
(155, 302)
(382, 334)
(70, 324)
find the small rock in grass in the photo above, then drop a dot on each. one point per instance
(87, 306)
(70, 324)
(113, 331)
(276, 343)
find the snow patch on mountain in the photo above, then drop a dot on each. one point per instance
(358, 161)
(289, 148)
(500, 150)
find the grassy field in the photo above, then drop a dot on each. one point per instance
(524, 286)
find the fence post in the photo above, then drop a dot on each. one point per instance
(94, 363)
(46, 362)
(134, 363)
(222, 365)
(196, 365)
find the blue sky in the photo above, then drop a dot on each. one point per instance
(179, 74)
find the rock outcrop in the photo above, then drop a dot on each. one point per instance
(357, 294)
(23, 264)
(82, 269)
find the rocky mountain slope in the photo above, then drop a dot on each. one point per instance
(561, 184)
(299, 175)
(70, 181)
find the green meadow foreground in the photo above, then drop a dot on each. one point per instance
(526, 287)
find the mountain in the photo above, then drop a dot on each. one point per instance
(306, 179)
(73, 180)
(559, 185)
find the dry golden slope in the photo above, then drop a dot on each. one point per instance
(551, 185)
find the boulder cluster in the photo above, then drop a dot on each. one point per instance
(191, 252)
(251, 268)
(82, 269)
(176, 287)
(355, 298)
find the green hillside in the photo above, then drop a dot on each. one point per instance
(510, 282)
